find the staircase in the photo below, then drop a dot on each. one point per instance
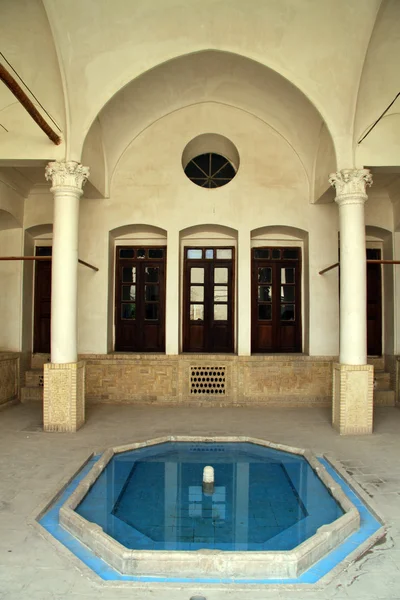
(384, 395)
(33, 388)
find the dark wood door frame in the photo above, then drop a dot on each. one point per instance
(274, 300)
(42, 302)
(140, 300)
(209, 334)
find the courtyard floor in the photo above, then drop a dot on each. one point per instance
(33, 464)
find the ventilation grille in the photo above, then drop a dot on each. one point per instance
(208, 380)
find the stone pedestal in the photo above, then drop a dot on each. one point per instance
(64, 397)
(353, 391)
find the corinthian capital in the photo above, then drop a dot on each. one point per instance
(67, 173)
(350, 185)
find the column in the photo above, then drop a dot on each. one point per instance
(64, 377)
(172, 327)
(352, 377)
(244, 294)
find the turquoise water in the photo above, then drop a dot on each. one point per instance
(263, 499)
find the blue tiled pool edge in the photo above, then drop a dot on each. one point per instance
(370, 525)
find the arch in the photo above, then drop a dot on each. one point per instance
(7, 220)
(208, 229)
(285, 230)
(192, 78)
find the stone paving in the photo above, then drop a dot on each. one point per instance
(34, 463)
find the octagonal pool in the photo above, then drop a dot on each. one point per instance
(270, 511)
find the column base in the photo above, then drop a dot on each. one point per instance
(64, 396)
(352, 402)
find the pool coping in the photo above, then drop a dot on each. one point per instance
(193, 585)
(275, 564)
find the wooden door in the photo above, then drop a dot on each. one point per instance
(276, 300)
(42, 302)
(374, 304)
(208, 300)
(140, 299)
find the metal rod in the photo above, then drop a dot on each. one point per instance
(82, 262)
(379, 118)
(19, 93)
(369, 261)
(328, 268)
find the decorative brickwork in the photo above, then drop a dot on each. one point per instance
(353, 389)
(248, 380)
(64, 396)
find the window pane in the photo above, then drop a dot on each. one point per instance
(264, 293)
(151, 274)
(224, 253)
(129, 292)
(129, 274)
(287, 293)
(196, 312)
(156, 253)
(276, 253)
(287, 275)
(196, 275)
(264, 275)
(43, 250)
(152, 293)
(220, 293)
(265, 312)
(196, 293)
(220, 312)
(151, 312)
(141, 253)
(287, 312)
(209, 253)
(220, 275)
(128, 311)
(261, 253)
(195, 253)
(127, 253)
(291, 253)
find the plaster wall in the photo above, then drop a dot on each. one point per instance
(150, 188)
(10, 296)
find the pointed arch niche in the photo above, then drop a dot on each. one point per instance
(278, 237)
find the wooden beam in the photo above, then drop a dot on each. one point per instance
(19, 93)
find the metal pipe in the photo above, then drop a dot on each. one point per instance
(369, 261)
(19, 93)
(82, 262)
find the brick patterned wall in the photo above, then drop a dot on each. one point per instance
(255, 380)
(9, 376)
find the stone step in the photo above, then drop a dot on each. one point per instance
(382, 380)
(34, 378)
(377, 361)
(384, 398)
(31, 394)
(38, 360)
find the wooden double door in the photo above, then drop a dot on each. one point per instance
(208, 300)
(140, 299)
(276, 300)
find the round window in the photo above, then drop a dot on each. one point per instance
(210, 170)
